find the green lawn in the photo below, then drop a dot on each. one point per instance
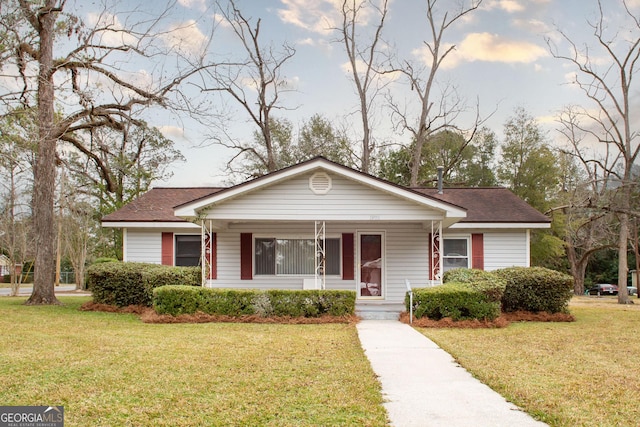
(583, 373)
(112, 370)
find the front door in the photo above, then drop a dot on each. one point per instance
(371, 264)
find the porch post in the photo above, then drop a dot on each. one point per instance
(436, 252)
(205, 251)
(320, 258)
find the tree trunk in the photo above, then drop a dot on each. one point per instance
(578, 268)
(623, 242)
(45, 167)
(416, 160)
(636, 251)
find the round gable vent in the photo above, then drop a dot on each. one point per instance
(320, 183)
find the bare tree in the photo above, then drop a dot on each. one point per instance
(588, 229)
(78, 227)
(254, 82)
(611, 121)
(437, 111)
(92, 77)
(16, 179)
(119, 165)
(364, 58)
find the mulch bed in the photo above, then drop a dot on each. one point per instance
(502, 321)
(148, 315)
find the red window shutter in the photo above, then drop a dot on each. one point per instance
(167, 249)
(246, 256)
(211, 247)
(348, 256)
(477, 251)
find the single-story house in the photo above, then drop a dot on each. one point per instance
(5, 266)
(322, 225)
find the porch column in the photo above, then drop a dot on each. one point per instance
(435, 252)
(207, 250)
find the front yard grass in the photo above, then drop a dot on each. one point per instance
(113, 370)
(583, 373)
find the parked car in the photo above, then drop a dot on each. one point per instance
(632, 290)
(603, 289)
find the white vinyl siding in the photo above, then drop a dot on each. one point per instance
(143, 246)
(505, 249)
(406, 253)
(346, 201)
(406, 257)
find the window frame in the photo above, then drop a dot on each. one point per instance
(279, 237)
(466, 257)
(175, 249)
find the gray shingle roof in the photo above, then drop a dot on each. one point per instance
(156, 205)
(493, 205)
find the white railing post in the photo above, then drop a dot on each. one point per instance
(406, 282)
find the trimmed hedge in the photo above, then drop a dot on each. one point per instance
(485, 282)
(536, 289)
(130, 283)
(456, 300)
(176, 300)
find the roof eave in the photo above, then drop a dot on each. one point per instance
(501, 225)
(149, 224)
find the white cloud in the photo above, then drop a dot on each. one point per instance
(489, 47)
(318, 16)
(346, 66)
(548, 119)
(533, 25)
(172, 132)
(510, 6)
(306, 42)
(200, 5)
(186, 37)
(493, 48)
(221, 20)
(113, 33)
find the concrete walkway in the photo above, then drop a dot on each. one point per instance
(423, 386)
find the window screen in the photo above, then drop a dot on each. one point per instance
(188, 249)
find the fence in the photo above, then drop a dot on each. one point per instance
(66, 277)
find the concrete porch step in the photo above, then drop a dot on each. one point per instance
(379, 310)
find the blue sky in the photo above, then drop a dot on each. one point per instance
(501, 60)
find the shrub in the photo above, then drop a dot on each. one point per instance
(455, 300)
(105, 259)
(485, 282)
(176, 300)
(128, 283)
(536, 289)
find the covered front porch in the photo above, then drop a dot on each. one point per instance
(375, 259)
